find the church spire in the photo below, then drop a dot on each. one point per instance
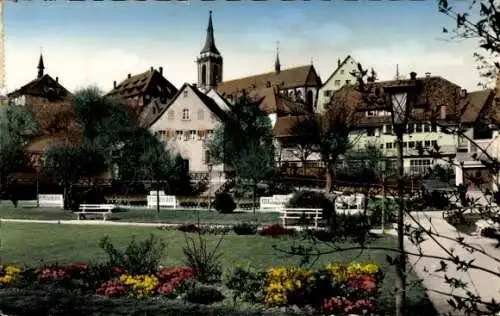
(40, 67)
(277, 65)
(209, 46)
(397, 72)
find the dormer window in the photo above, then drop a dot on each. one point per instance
(185, 93)
(185, 114)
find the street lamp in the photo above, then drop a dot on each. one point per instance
(400, 97)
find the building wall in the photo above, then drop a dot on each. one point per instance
(342, 77)
(384, 139)
(188, 137)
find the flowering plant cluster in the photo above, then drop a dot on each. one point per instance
(61, 272)
(165, 282)
(8, 274)
(276, 230)
(337, 289)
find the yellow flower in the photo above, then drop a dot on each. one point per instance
(342, 272)
(142, 285)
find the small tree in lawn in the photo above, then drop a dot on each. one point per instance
(68, 164)
(244, 143)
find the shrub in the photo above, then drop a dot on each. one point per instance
(245, 229)
(312, 199)
(224, 203)
(202, 294)
(138, 257)
(215, 230)
(206, 262)
(247, 285)
(376, 206)
(188, 228)
(276, 230)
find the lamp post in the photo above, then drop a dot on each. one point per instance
(398, 103)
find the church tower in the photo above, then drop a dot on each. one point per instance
(210, 61)
(40, 67)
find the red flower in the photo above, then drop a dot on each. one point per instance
(366, 282)
(112, 288)
(116, 270)
(342, 305)
(172, 278)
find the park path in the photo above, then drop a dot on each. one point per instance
(481, 283)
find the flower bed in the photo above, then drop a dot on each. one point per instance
(337, 289)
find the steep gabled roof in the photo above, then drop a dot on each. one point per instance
(139, 84)
(209, 103)
(44, 86)
(271, 101)
(478, 105)
(287, 78)
(339, 67)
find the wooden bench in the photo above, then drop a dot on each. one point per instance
(104, 210)
(315, 215)
(51, 200)
(26, 203)
(273, 203)
(165, 201)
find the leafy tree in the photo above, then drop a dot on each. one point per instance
(366, 165)
(17, 127)
(69, 163)
(244, 143)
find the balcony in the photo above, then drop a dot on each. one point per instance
(445, 150)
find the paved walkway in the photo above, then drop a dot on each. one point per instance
(481, 283)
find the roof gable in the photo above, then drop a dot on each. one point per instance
(206, 100)
(339, 67)
(139, 84)
(45, 87)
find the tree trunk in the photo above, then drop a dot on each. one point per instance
(254, 195)
(329, 177)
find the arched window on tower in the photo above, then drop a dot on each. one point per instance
(215, 73)
(203, 74)
(309, 99)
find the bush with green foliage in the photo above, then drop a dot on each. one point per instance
(203, 294)
(386, 206)
(312, 199)
(207, 262)
(247, 285)
(224, 203)
(138, 257)
(245, 229)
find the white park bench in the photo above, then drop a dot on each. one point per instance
(350, 205)
(165, 200)
(482, 224)
(104, 210)
(51, 200)
(290, 217)
(274, 203)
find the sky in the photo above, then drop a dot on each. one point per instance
(96, 42)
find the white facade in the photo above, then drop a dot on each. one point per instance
(340, 77)
(185, 126)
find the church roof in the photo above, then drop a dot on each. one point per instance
(270, 101)
(285, 79)
(44, 86)
(209, 46)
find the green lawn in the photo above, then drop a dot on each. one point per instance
(31, 244)
(142, 215)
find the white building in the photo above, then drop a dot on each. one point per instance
(341, 76)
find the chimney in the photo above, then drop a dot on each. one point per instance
(338, 62)
(463, 92)
(151, 69)
(413, 75)
(194, 85)
(161, 70)
(443, 112)
(114, 84)
(129, 76)
(57, 79)
(427, 75)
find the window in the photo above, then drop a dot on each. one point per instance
(370, 113)
(200, 114)
(418, 165)
(405, 145)
(388, 129)
(192, 135)
(210, 133)
(427, 128)
(381, 146)
(388, 145)
(327, 93)
(171, 115)
(418, 128)
(370, 132)
(433, 128)
(185, 93)
(411, 144)
(207, 157)
(434, 143)
(419, 144)
(186, 135)
(337, 82)
(427, 143)
(348, 82)
(178, 135)
(185, 114)
(341, 71)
